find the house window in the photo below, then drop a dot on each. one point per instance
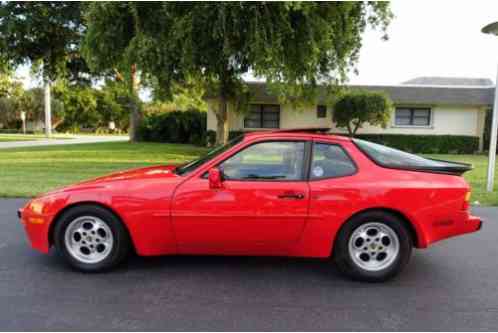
(263, 116)
(412, 116)
(321, 111)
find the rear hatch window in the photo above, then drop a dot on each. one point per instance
(397, 159)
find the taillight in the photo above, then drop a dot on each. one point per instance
(466, 201)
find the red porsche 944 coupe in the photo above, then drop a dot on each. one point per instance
(282, 193)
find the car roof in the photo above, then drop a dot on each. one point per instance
(315, 132)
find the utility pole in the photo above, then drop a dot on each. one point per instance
(48, 111)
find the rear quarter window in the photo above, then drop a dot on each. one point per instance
(397, 159)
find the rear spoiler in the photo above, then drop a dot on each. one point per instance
(450, 167)
(446, 167)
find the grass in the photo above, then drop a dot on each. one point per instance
(9, 138)
(26, 172)
(29, 137)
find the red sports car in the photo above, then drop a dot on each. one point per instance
(281, 193)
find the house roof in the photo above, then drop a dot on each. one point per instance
(449, 81)
(406, 94)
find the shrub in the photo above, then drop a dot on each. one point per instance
(235, 134)
(355, 108)
(426, 144)
(174, 127)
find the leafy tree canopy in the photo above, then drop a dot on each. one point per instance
(295, 46)
(355, 108)
(43, 33)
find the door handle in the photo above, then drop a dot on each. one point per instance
(291, 195)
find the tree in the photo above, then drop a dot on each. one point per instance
(48, 34)
(111, 45)
(353, 109)
(295, 46)
(10, 92)
(112, 105)
(80, 108)
(33, 103)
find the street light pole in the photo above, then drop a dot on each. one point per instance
(492, 29)
(492, 143)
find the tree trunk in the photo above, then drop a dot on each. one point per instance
(356, 127)
(350, 130)
(222, 121)
(48, 111)
(135, 112)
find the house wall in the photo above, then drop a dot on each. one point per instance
(446, 119)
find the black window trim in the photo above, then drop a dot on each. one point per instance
(309, 179)
(412, 111)
(306, 165)
(261, 106)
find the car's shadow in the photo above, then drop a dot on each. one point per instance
(241, 267)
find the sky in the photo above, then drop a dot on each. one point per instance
(426, 38)
(431, 38)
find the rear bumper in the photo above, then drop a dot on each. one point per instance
(461, 224)
(473, 224)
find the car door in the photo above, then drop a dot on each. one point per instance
(260, 209)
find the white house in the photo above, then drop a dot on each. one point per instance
(425, 105)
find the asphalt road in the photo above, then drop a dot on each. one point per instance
(451, 286)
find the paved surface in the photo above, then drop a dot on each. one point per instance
(451, 286)
(76, 139)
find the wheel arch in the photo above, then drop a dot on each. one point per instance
(417, 238)
(82, 203)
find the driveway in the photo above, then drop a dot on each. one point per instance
(75, 139)
(451, 286)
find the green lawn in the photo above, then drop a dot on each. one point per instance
(29, 137)
(7, 138)
(25, 172)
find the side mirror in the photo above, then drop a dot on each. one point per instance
(215, 178)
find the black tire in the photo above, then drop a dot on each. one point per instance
(342, 256)
(121, 240)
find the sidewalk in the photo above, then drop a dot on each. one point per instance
(76, 139)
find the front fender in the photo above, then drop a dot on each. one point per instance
(145, 216)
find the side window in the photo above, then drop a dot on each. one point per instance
(330, 161)
(276, 160)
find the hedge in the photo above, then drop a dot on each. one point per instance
(426, 144)
(174, 127)
(211, 136)
(419, 144)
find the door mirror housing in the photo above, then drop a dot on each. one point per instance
(215, 178)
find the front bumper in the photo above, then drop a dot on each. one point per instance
(37, 228)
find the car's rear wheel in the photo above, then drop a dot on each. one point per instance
(91, 238)
(374, 246)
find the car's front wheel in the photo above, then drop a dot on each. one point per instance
(373, 247)
(91, 238)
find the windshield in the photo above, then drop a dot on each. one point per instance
(192, 165)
